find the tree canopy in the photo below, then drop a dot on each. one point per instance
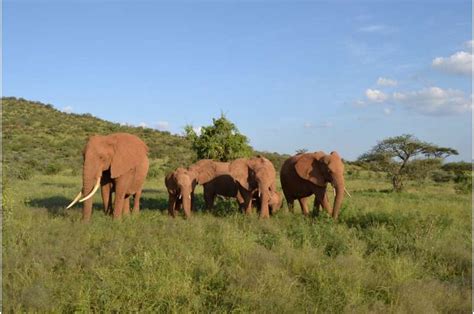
(220, 141)
(405, 156)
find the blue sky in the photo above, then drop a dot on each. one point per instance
(318, 75)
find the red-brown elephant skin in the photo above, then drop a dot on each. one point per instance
(255, 175)
(116, 163)
(182, 182)
(306, 174)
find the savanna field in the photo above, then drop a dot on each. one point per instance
(389, 252)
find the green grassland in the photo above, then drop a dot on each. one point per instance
(395, 252)
(389, 252)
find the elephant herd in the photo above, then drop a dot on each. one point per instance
(118, 163)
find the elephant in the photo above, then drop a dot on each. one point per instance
(306, 174)
(223, 185)
(182, 182)
(274, 203)
(117, 163)
(254, 175)
(180, 185)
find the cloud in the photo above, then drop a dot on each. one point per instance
(387, 111)
(458, 63)
(162, 125)
(375, 28)
(469, 44)
(197, 130)
(434, 101)
(375, 95)
(383, 81)
(324, 125)
(67, 109)
(143, 125)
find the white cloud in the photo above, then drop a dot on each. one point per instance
(375, 95)
(458, 63)
(383, 81)
(67, 109)
(387, 111)
(434, 101)
(197, 130)
(309, 125)
(375, 28)
(143, 125)
(469, 44)
(162, 125)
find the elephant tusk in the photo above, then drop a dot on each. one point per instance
(75, 200)
(179, 196)
(333, 191)
(348, 194)
(96, 187)
(189, 196)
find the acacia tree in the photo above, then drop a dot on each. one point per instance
(220, 141)
(405, 156)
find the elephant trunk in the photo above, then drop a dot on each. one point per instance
(339, 187)
(187, 204)
(89, 179)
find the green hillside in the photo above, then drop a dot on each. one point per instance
(37, 138)
(41, 139)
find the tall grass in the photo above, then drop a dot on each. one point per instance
(407, 252)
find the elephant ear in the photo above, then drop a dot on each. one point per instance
(170, 182)
(307, 168)
(239, 170)
(129, 152)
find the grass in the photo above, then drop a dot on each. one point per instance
(407, 252)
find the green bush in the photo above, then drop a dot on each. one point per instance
(463, 181)
(442, 176)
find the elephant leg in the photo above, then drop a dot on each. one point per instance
(172, 202)
(193, 203)
(136, 202)
(106, 193)
(240, 201)
(304, 205)
(247, 204)
(325, 201)
(126, 205)
(209, 198)
(264, 211)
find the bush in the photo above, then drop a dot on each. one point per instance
(463, 181)
(441, 176)
(52, 168)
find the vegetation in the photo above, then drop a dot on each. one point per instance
(40, 139)
(220, 141)
(400, 157)
(389, 252)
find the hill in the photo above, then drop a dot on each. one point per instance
(37, 138)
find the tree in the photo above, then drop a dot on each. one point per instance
(301, 151)
(404, 157)
(220, 141)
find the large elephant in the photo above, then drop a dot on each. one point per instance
(255, 175)
(182, 182)
(306, 174)
(118, 163)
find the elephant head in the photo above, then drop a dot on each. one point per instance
(320, 169)
(180, 185)
(255, 174)
(118, 153)
(275, 201)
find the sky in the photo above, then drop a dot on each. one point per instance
(332, 76)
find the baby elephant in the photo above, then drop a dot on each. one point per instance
(223, 185)
(274, 203)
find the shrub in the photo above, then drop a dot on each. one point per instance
(441, 176)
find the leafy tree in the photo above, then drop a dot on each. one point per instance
(219, 141)
(301, 150)
(404, 157)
